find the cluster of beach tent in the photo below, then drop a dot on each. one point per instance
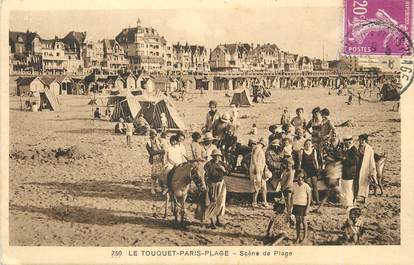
(133, 106)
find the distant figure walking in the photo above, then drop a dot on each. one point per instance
(129, 130)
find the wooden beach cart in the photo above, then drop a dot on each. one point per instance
(240, 183)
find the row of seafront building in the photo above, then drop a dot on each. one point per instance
(143, 49)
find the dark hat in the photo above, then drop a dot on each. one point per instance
(363, 136)
(212, 103)
(315, 110)
(325, 112)
(272, 127)
(196, 135)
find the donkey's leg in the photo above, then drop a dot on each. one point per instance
(182, 210)
(175, 210)
(167, 200)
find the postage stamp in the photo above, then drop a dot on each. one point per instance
(377, 27)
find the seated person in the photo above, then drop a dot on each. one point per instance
(97, 114)
(142, 126)
(278, 225)
(34, 107)
(353, 227)
(120, 127)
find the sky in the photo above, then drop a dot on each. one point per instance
(311, 31)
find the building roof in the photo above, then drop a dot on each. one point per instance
(126, 75)
(25, 37)
(25, 81)
(47, 79)
(113, 78)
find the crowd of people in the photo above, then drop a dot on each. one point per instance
(299, 156)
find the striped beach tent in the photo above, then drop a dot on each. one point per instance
(129, 107)
(48, 100)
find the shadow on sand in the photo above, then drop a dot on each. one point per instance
(89, 131)
(103, 189)
(94, 216)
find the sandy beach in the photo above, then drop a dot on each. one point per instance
(99, 194)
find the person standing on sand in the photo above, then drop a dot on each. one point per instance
(314, 126)
(128, 132)
(197, 151)
(274, 161)
(212, 116)
(285, 119)
(326, 127)
(311, 162)
(299, 121)
(367, 171)
(215, 171)
(300, 201)
(156, 154)
(349, 172)
(257, 172)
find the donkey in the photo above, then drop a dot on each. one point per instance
(178, 183)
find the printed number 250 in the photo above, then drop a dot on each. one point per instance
(116, 253)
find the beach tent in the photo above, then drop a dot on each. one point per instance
(49, 101)
(152, 108)
(129, 107)
(241, 98)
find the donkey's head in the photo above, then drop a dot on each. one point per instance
(197, 175)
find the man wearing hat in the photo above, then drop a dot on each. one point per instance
(257, 172)
(220, 126)
(212, 115)
(156, 155)
(349, 171)
(215, 171)
(208, 145)
(274, 159)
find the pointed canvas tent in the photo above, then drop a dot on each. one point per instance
(152, 108)
(241, 98)
(128, 107)
(49, 101)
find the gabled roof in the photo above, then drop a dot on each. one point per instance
(78, 37)
(61, 78)
(113, 78)
(126, 75)
(25, 81)
(26, 37)
(108, 44)
(48, 79)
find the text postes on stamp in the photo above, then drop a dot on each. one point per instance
(377, 27)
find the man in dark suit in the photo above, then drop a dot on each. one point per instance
(349, 171)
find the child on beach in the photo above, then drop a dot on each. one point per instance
(253, 131)
(129, 129)
(164, 122)
(278, 225)
(353, 227)
(285, 117)
(287, 182)
(301, 199)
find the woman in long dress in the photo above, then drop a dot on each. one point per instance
(212, 204)
(366, 168)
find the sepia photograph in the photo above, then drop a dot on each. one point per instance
(215, 127)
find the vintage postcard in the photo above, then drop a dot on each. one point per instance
(206, 132)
